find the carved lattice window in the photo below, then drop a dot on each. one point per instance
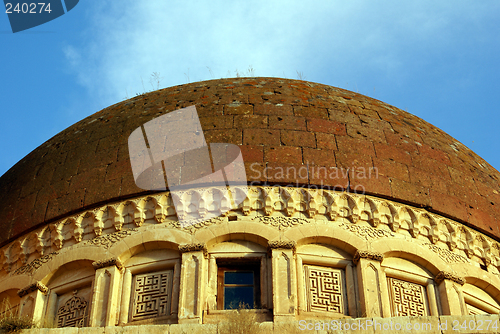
(407, 299)
(73, 313)
(151, 295)
(325, 289)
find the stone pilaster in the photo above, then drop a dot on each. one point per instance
(374, 299)
(126, 294)
(450, 293)
(284, 280)
(192, 283)
(106, 293)
(33, 300)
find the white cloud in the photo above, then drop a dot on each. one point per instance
(129, 40)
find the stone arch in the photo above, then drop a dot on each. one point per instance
(146, 247)
(133, 243)
(71, 294)
(88, 253)
(413, 253)
(237, 230)
(338, 238)
(16, 283)
(488, 283)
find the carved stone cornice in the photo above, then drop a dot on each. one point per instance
(195, 247)
(368, 217)
(33, 287)
(280, 244)
(108, 263)
(442, 275)
(367, 255)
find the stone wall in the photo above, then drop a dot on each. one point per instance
(487, 324)
(314, 255)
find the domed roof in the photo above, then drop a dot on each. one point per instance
(290, 132)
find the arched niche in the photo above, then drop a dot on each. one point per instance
(478, 301)
(244, 247)
(326, 284)
(70, 294)
(151, 284)
(411, 288)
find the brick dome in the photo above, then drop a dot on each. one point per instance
(290, 132)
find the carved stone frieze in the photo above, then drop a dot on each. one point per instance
(108, 263)
(279, 207)
(446, 255)
(366, 232)
(442, 275)
(31, 267)
(282, 223)
(33, 287)
(107, 240)
(192, 226)
(367, 255)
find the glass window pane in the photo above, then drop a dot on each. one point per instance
(234, 296)
(238, 277)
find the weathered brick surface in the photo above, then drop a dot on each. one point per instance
(325, 141)
(301, 139)
(319, 125)
(283, 154)
(252, 153)
(328, 176)
(319, 157)
(261, 137)
(287, 122)
(282, 127)
(410, 193)
(251, 121)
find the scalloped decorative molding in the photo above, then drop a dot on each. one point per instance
(282, 208)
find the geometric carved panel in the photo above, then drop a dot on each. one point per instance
(408, 299)
(73, 313)
(151, 295)
(325, 289)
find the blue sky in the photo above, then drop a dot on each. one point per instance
(437, 60)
